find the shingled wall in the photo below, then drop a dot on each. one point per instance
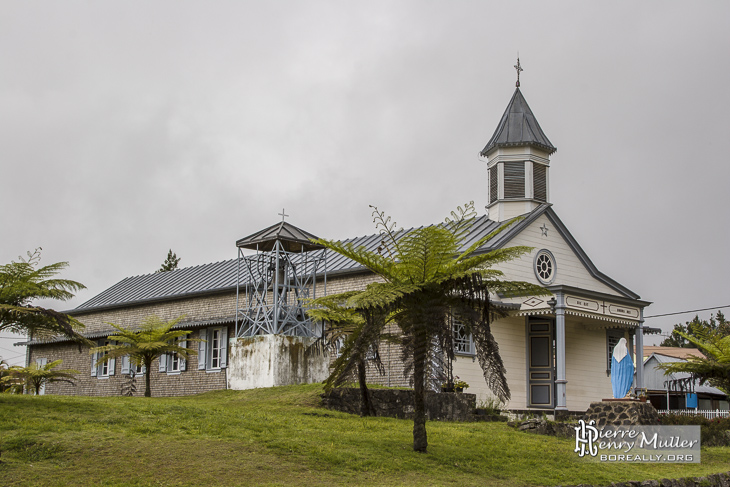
(192, 380)
(189, 381)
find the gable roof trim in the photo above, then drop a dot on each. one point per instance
(546, 209)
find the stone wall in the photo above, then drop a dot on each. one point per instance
(604, 413)
(715, 480)
(622, 413)
(398, 403)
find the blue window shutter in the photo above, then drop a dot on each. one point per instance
(125, 364)
(163, 362)
(691, 400)
(94, 358)
(201, 349)
(224, 347)
(183, 362)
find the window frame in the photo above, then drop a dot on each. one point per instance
(128, 368)
(537, 267)
(459, 339)
(215, 349)
(41, 362)
(171, 363)
(206, 349)
(106, 369)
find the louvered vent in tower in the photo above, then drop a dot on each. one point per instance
(493, 184)
(539, 181)
(514, 180)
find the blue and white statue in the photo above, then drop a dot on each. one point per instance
(622, 370)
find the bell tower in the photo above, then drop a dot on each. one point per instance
(518, 161)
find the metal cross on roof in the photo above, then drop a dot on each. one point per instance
(282, 214)
(518, 68)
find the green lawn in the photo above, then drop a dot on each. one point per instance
(280, 436)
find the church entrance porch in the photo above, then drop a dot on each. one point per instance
(569, 344)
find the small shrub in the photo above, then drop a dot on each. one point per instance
(129, 387)
(713, 432)
(492, 406)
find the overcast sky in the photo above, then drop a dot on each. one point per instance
(131, 128)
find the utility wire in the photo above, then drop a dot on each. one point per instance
(12, 357)
(690, 311)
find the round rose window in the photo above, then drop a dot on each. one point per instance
(545, 267)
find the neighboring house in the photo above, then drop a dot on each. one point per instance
(556, 349)
(672, 389)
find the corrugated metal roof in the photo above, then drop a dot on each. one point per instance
(675, 352)
(654, 378)
(221, 276)
(518, 127)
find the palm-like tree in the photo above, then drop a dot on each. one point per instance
(429, 278)
(23, 282)
(153, 339)
(36, 376)
(4, 385)
(714, 368)
(349, 327)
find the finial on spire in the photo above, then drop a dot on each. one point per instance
(283, 214)
(518, 68)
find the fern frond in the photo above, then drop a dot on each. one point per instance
(386, 227)
(375, 262)
(461, 221)
(482, 241)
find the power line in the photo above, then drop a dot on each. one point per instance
(12, 357)
(690, 311)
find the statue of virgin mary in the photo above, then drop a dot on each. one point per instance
(622, 370)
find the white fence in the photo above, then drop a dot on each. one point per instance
(707, 413)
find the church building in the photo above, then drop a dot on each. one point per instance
(556, 349)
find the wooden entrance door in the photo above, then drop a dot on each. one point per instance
(540, 364)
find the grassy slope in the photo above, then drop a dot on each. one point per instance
(279, 437)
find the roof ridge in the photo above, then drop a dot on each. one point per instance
(220, 275)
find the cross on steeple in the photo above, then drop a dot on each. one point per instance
(282, 214)
(518, 68)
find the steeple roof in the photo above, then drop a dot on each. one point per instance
(292, 238)
(518, 127)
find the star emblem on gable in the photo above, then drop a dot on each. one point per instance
(544, 229)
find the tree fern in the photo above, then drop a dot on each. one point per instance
(428, 278)
(36, 376)
(714, 368)
(25, 280)
(151, 340)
